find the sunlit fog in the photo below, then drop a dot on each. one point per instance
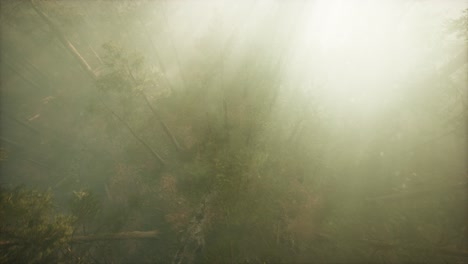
(222, 131)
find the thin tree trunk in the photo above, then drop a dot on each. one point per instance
(68, 45)
(24, 124)
(95, 54)
(158, 116)
(22, 76)
(154, 153)
(33, 69)
(163, 124)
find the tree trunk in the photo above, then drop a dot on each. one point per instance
(117, 236)
(419, 193)
(163, 125)
(66, 43)
(194, 239)
(153, 234)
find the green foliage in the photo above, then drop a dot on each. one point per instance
(460, 25)
(125, 72)
(30, 232)
(84, 206)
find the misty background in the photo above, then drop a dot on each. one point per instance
(243, 131)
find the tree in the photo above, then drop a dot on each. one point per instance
(30, 230)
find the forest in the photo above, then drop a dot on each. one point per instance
(222, 131)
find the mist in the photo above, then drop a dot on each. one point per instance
(218, 131)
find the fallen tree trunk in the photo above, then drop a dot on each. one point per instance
(117, 236)
(418, 193)
(153, 234)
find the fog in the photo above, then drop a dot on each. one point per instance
(321, 131)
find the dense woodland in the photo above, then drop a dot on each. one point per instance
(138, 131)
